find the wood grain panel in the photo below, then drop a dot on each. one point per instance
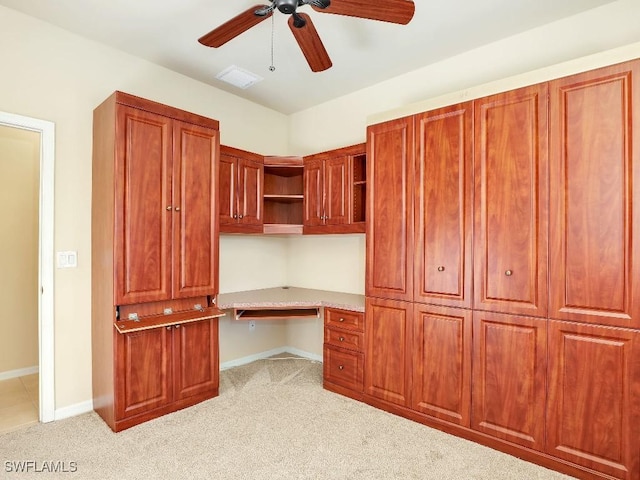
(143, 193)
(195, 353)
(442, 363)
(195, 229)
(343, 368)
(594, 397)
(509, 377)
(511, 202)
(250, 192)
(387, 350)
(336, 190)
(443, 199)
(227, 194)
(313, 192)
(390, 155)
(594, 140)
(143, 371)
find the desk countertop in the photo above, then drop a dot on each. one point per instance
(290, 297)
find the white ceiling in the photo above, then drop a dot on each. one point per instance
(364, 52)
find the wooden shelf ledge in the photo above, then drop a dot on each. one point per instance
(157, 321)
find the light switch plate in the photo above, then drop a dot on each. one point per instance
(67, 259)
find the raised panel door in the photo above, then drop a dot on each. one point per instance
(143, 211)
(313, 192)
(227, 193)
(195, 237)
(388, 350)
(250, 182)
(389, 238)
(196, 364)
(509, 377)
(593, 416)
(143, 371)
(336, 190)
(595, 277)
(442, 363)
(443, 202)
(511, 202)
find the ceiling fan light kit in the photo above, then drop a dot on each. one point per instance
(392, 11)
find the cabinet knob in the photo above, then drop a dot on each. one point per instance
(341, 319)
(340, 367)
(169, 207)
(177, 326)
(342, 339)
(177, 209)
(235, 215)
(240, 217)
(169, 328)
(508, 273)
(441, 269)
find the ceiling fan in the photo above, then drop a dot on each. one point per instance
(392, 11)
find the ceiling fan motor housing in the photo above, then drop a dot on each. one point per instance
(287, 6)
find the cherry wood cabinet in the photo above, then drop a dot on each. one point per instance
(509, 377)
(283, 195)
(593, 417)
(443, 206)
(441, 359)
(240, 191)
(334, 191)
(390, 196)
(388, 340)
(511, 202)
(595, 205)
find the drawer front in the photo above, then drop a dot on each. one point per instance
(344, 319)
(344, 368)
(344, 338)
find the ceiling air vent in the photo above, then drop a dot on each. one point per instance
(238, 77)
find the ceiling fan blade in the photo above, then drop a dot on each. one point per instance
(392, 11)
(234, 27)
(310, 43)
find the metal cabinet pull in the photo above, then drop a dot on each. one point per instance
(169, 207)
(441, 269)
(340, 367)
(342, 339)
(508, 273)
(341, 319)
(177, 209)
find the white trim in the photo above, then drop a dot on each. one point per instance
(269, 353)
(73, 410)
(46, 298)
(20, 372)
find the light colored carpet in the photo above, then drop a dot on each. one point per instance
(271, 421)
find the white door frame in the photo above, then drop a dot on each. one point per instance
(46, 130)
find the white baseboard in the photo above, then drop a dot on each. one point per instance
(269, 353)
(20, 372)
(73, 410)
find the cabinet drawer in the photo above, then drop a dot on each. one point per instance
(344, 338)
(344, 368)
(344, 319)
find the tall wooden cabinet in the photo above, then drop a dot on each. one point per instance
(502, 286)
(154, 259)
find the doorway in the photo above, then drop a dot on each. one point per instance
(32, 141)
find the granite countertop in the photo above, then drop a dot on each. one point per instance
(290, 297)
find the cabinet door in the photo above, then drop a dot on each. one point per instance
(444, 168)
(336, 190)
(387, 350)
(511, 202)
(143, 207)
(442, 363)
(593, 416)
(389, 268)
(195, 353)
(313, 193)
(227, 194)
(195, 229)
(250, 192)
(595, 211)
(143, 371)
(509, 377)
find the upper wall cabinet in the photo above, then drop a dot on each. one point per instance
(241, 181)
(511, 202)
(165, 194)
(443, 203)
(595, 158)
(390, 163)
(334, 191)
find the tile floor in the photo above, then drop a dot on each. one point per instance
(18, 402)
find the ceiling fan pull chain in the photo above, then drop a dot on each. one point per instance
(272, 67)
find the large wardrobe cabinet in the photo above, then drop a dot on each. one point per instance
(154, 259)
(503, 267)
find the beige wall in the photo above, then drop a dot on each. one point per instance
(19, 197)
(54, 75)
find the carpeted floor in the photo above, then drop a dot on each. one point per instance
(271, 421)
